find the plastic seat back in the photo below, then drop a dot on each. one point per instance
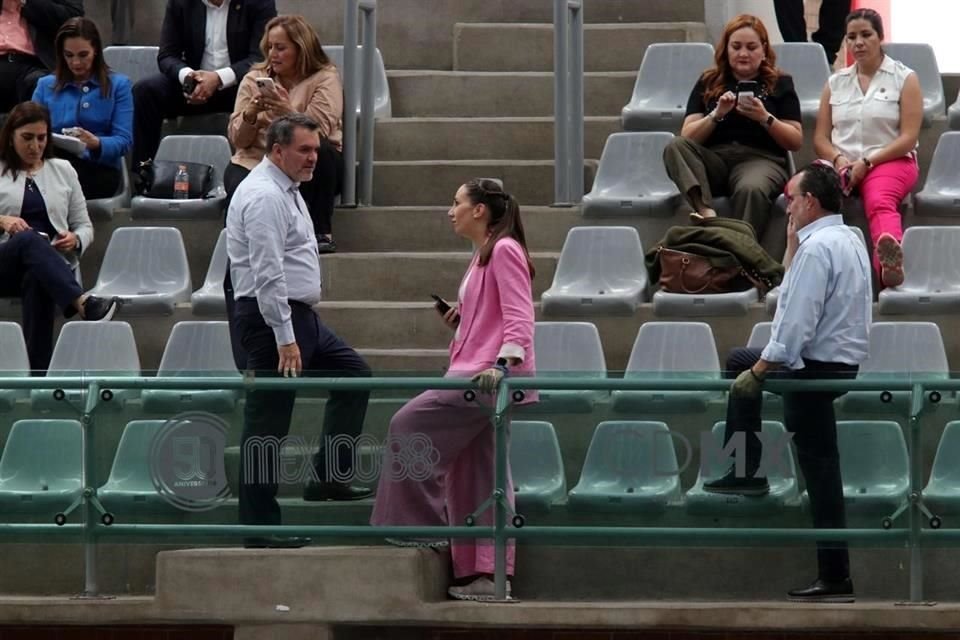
(536, 464)
(134, 62)
(382, 107)
(873, 461)
(601, 261)
(667, 74)
(208, 299)
(205, 149)
(807, 63)
(921, 58)
(674, 350)
(619, 176)
(41, 465)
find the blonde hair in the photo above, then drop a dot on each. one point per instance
(310, 55)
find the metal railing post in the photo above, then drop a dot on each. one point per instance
(349, 195)
(561, 149)
(916, 484)
(369, 9)
(88, 487)
(500, 426)
(575, 137)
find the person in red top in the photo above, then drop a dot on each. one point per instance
(27, 31)
(492, 326)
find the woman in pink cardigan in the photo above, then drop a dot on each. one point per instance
(492, 326)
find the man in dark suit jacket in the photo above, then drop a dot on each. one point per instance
(232, 29)
(27, 32)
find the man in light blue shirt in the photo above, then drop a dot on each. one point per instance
(275, 270)
(820, 331)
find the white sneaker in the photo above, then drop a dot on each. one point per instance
(418, 543)
(480, 590)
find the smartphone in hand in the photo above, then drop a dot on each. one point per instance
(189, 84)
(441, 305)
(266, 85)
(746, 89)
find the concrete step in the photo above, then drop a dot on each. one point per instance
(411, 276)
(414, 361)
(607, 47)
(413, 34)
(429, 182)
(481, 138)
(372, 229)
(426, 94)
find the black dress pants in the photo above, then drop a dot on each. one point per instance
(35, 272)
(267, 413)
(809, 416)
(18, 78)
(157, 97)
(793, 25)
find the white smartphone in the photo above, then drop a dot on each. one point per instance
(744, 97)
(265, 84)
(71, 131)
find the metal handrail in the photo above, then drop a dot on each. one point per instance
(914, 536)
(351, 196)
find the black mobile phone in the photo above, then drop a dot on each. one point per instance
(189, 84)
(440, 304)
(748, 86)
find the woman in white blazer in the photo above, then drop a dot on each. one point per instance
(45, 225)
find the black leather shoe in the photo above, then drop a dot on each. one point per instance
(323, 491)
(823, 591)
(739, 485)
(275, 542)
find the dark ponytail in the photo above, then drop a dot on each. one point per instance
(504, 217)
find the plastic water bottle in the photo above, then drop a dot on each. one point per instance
(181, 184)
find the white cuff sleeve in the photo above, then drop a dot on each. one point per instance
(509, 350)
(228, 77)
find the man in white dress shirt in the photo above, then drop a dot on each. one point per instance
(820, 331)
(276, 280)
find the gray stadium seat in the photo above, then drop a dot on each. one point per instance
(807, 63)
(90, 348)
(631, 179)
(773, 294)
(194, 349)
(14, 362)
(204, 149)
(381, 88)
(600, 272)
(670, 350)
(940, 195)
(931, 269)
(103, 208)
(569, 349)
(146, 267)
(130, 487)
(631, 466)
(898, 351)
(782, 478)
(536, 465)
(874, 465)
(208, 300)
(667, 75)
(134, 62)
(953, 115)
(40, 466)
(942, 493)
(691, 305)
(921, 58)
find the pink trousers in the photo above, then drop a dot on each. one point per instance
(455, 478)
(882, 190)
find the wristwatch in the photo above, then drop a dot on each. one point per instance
(501, 364)
(770, 120)
(867, 163)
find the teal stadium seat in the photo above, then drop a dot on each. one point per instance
(874, 465)
(14, 362)
(41, 466)
(85, 349)
(631, 466)
(784, 492)
(130, 487)
(195, 349)
(536, 465)
(670, 350)
(942, 493)
(573, 350)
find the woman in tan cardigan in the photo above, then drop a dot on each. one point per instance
(302, 80)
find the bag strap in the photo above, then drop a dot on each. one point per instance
(684, 261)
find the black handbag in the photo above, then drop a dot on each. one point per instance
(157, 177)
